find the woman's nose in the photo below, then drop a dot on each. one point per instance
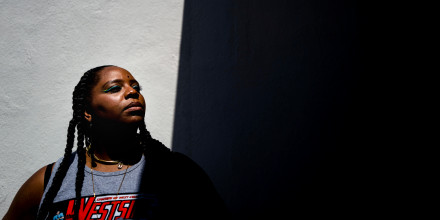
(131, 93)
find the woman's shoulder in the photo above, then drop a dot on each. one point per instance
(26, 201)
(36, 181)
(194, 189)
(164, 154)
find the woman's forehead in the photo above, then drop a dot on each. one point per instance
(114, 73)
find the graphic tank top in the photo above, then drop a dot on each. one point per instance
(107, 204)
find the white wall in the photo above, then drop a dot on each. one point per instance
(45, 48)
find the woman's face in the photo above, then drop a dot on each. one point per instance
(116, 98)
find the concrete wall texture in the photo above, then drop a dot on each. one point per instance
(264, 95)
(46, 46)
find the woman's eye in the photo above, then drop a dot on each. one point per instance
(137, 88)
(113, 89)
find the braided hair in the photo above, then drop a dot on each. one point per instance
(81, 100)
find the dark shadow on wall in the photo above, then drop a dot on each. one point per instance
(270, 103)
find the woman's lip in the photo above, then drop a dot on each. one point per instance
(134, 106)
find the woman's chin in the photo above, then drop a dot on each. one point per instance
(134, 119)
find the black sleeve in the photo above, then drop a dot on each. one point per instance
(198, 197)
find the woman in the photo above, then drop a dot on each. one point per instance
(115, 172)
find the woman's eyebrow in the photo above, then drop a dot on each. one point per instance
(133, 81)
(117, 81)
(111, 82)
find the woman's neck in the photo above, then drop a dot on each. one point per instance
(117, 145)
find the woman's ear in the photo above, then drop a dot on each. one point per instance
(87, 116)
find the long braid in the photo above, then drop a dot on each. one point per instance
(153, 150)
(145, 138)
(80, 172)
(145, 135)
(81, 95)
(61, 172)
(150, 145)
(80, 102)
